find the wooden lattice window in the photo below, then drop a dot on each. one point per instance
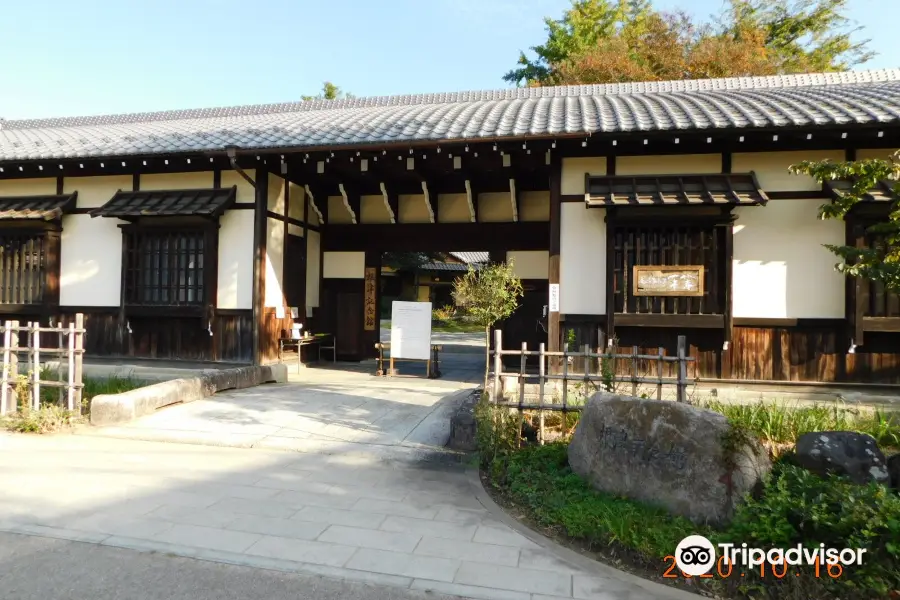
(165, 267)
(698, 244)
(23, 267)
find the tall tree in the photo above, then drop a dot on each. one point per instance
(880, 261)
(602, 41)
(329, 92)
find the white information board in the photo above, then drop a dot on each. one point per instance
(554, 297)
(411, 330)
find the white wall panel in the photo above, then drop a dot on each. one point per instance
(771, 168)
(96, 191)
(344, 265)
(573, 170)
(235, 260)
(582, 261)
(90, 261)
(781, 269)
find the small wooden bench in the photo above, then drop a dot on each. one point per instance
(432, 366)
(324, 341)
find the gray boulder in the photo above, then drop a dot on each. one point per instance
(686, 459)
(893, 467)
(855, 455)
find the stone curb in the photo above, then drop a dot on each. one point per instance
(107, 409)
(570, 556)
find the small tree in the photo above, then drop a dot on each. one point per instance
(881, 261)
(488, 295)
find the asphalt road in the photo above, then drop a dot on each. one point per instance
(36, 568)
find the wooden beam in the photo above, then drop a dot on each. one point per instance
(528, 235)
(728, 323)
(514, 198)
(881, 323)
(430, 205)
(321, 211)
(391, 202)
(351, 202)
(656, 320)
(259, 259)
(472, 198)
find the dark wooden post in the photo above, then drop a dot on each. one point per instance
(259, 259)
(371, 331)
(553, 328)
(727, 349)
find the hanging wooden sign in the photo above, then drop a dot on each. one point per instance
(371, 300)
(678, 280)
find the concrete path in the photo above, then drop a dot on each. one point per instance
(409, 521)
(37, 568)
(320, 410)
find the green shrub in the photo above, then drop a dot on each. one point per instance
(444, 313)
(496, 435)
(799, 507)
(540, 479)
(48, 419)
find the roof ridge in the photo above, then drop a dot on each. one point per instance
(685, 85)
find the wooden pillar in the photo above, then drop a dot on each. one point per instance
(553, 328)
(611, 276)
(259, 260)
(727, 346)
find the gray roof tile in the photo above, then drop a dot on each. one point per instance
(857, 97)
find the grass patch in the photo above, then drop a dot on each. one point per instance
(775, 423)
(539, 478)
(52, 415)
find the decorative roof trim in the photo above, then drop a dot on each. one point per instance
(673, 190)
(45, 207)
(573, 91)
(204, 202)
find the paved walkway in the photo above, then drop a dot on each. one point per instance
(320, 410)
(411, 520)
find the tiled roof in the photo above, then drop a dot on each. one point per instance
(168, 203)
(885, 191)
(46, 207)
(737, 188)
(471, 257)
(860, 97)
(442, 266)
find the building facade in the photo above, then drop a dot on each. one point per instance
(659, 210)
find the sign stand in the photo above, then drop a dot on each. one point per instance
(411, 335)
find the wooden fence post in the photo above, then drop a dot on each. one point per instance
(70, 398)
(79, 355)
(14, 365)
(659, 373)
(634, 371)
(498, 362)
(682, 370)
(565, 378)
(36, 365)
(4, 393)
(541, 374)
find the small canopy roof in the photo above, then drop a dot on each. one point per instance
(676, 190)
(46, 208)
(168, 203)
(884, 191)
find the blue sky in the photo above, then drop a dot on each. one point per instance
(88, 57)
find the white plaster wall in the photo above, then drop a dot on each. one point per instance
(274, 263)
(245, 192)
(276, 194)
(674, 164)
(337, 211)
(413, 209)
(582, 260)
(534, 206)
(573, 170)
(780, 268)
(313, 268)
(494, 207)
(344, 265)
(176, 181)
(882, 153)
(96, 191)
(90, 261)
(530, 264)
(235, 280)
(373, 209)
(771, 168)
(453, 208)
(27, 187)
